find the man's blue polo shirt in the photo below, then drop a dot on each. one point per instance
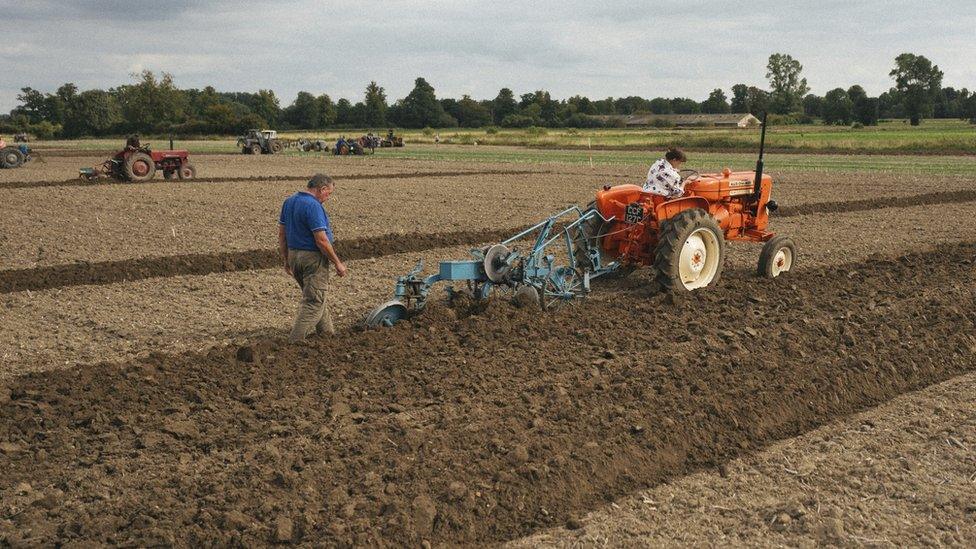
(302, 215)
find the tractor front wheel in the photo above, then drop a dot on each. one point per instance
(255, 149)
(187, 171)
(690, 252)
(139, 167)
(777, 257)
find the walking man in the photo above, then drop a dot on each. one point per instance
(305, 242)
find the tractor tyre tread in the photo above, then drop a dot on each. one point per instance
(674, 232)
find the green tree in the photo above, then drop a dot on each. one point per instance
(740, 98)
(503, 105)
(92, 112)
(717, 103)
(471, 114)
(837, 107)
(684, 105)
(344, 114)
(813, 105)
(32, 105)
(327, 111)
(581, 104)
(918, 82)
(759, 101)
(265, 104)
(420, 108)
(151, 103)
(788, 88)
(864, 109)
(661, 105)
(221, 118)
(303, 113)
(375, 105)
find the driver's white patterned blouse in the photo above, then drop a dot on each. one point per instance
(664, 180)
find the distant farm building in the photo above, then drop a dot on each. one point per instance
(717, 120)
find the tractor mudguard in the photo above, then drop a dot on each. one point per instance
(671, 208)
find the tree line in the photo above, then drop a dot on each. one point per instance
(156, 105)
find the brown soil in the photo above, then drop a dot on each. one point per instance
(112, 222)
(76, 182)
(900, 475)
(61, 326)
(337, 442)
(108, 272)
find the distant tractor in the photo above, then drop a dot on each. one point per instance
(21, 138)
(260, 142)
(346, 147)
(13, 156)
(391, 141)
(137, 163)
(308, 145)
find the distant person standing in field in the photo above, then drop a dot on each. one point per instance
(663, 178)
(305, 242)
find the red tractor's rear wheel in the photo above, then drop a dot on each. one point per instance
(690, 252)
(187, 171)
(139, 167)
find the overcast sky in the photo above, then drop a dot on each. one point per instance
(595, 48)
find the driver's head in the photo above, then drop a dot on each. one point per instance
(676, 157)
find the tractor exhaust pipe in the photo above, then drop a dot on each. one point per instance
(757, 184)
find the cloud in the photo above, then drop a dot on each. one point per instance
(665, 48)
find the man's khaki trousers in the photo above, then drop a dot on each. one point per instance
(311, 270)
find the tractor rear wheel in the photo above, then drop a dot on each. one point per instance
(777, 257)
(255, 149)
(187, 171)
(11, 157)
(690, 252)
(276, 147)
(139, 167)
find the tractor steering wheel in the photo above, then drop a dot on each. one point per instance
(689, 176)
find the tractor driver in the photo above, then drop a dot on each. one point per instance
(132, 143)
(663, 178)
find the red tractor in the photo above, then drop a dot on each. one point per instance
(684, 238)
(138, 162)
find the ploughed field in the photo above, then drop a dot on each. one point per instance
(147, 397)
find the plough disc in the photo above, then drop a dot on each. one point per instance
(387, 314)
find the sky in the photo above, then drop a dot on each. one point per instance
(594, 48)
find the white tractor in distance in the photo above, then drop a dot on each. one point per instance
(260, 142)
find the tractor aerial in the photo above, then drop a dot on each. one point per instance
(624, 228)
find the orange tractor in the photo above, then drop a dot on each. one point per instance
(683, 239)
